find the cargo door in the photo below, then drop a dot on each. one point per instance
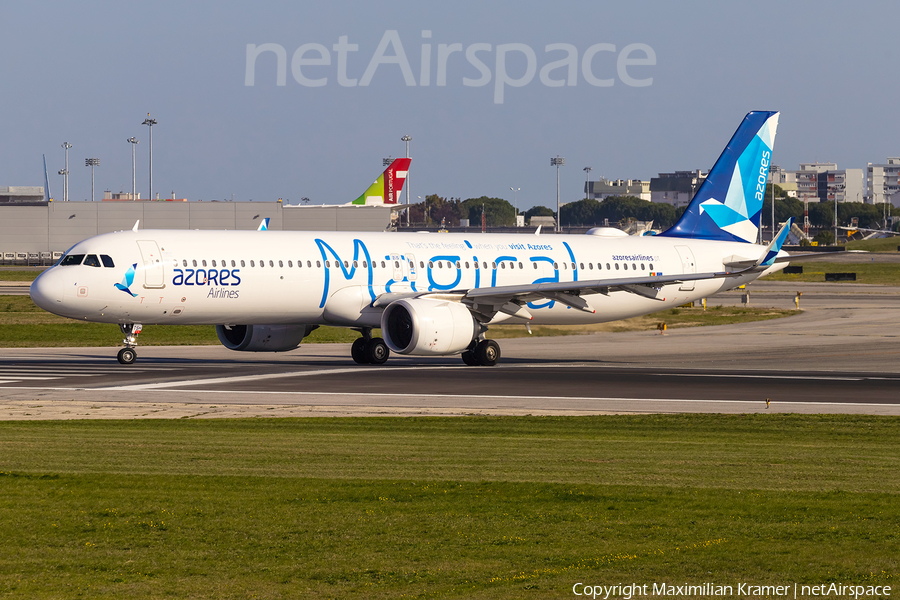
(688, 266)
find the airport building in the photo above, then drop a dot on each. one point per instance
(820, 182)
(21, 194)
(676, 188)
(604, 188)
(883, 181)
(35, 232)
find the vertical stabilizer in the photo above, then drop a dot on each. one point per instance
(727, 206)
(386, 189)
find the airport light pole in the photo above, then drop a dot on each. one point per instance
(65, 173)
(835, 220)
(587, 180)
(150, 123)
(407, 139)
(92, 162)
(516, 198)
(134, 143)
(557, 162)
(773, 210)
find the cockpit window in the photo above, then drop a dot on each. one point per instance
(72, 259)
(91, 260)
(107, 260)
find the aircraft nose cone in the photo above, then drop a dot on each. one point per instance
(46, 291)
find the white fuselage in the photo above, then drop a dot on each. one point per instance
(287, 277)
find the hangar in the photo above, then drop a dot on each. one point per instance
(39, 232)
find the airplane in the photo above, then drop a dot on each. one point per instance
(431, 294)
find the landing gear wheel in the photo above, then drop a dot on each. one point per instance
(126, 356)
(358, 351)
(469, 358)
(377, 351)
(487, 352)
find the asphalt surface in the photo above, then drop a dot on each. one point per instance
(840, 355)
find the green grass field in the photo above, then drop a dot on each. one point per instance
(872, 273)
(24, 325)
(880, 245)
(477, 507)
(18, 275)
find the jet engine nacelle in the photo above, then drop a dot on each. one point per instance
(425, 326)
(262, 338)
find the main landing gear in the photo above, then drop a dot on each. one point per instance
(127, 355)
(368, 350)
(484, 353)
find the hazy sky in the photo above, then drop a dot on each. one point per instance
(665, 86)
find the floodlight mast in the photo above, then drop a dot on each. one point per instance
(557, 162)
(134, 143)
(407, 139)
(65, 172)
(587, 180)
(92, 162)
(150, 123)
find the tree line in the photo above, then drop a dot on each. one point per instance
(437, 210)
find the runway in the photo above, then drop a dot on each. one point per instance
(841, 355)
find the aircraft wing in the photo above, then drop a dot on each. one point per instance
(512, 299)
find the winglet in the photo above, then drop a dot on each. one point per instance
(774, 247)
(135, 228)
(538, 230)
(264, 226)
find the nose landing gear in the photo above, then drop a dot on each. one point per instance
(127, 355)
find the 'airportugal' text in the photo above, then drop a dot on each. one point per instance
(742, 590)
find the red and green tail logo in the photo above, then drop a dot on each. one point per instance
(386, 189)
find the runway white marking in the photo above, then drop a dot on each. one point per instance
(238, 378)
(289, 374)
(750, 403)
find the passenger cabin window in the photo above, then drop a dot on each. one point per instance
(91, 260)
(194, 262)
(107, 261)
(203, 262)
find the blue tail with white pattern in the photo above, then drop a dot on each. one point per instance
(727, 206)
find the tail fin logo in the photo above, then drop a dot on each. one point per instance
(127, 281)
(386, 189)
(728, 204)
